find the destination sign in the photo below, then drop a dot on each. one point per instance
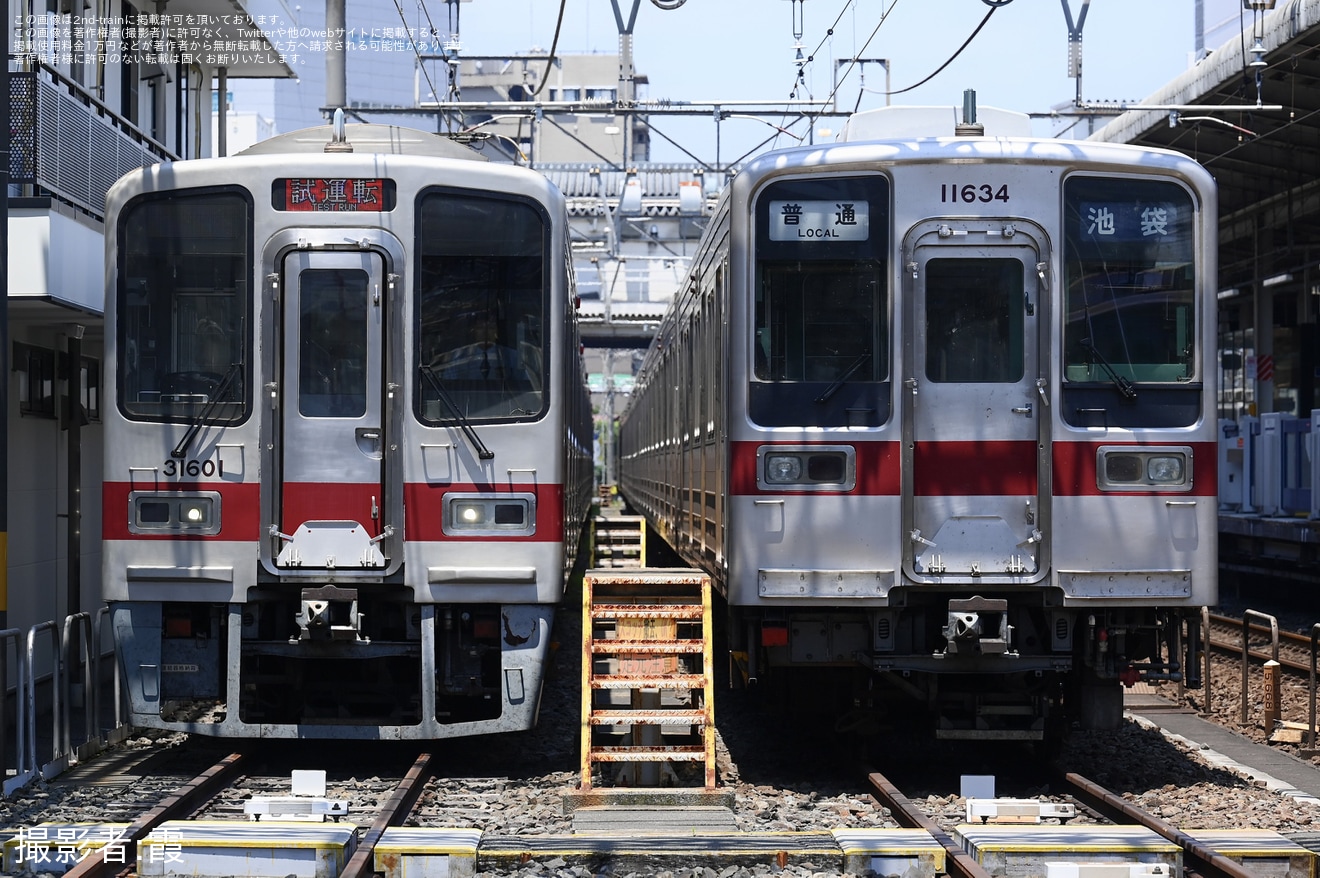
(826, 221)
(333, 194)
(1124, 221)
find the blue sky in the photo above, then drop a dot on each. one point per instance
(744, 49)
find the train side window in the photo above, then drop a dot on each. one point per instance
(183, 305)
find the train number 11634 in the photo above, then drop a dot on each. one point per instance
(969, 192)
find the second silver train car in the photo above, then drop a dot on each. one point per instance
(348, 452)
(942, 411)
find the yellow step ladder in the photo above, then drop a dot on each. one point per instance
(618, 541)
(647, 689)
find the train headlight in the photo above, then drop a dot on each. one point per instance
(1165, 470)
(806, 467)
(470, 513)
(490, 514)
(783, 469)
(1137, 468)
(186, 513)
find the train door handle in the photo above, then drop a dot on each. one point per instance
(1022, 409)
(368, 441)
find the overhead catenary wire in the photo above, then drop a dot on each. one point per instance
(829, 32)
(554, 46)
(416, 51)
(995, 6)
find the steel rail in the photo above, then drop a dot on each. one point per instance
(189, 797)
(958, 863)
(395, 810)
(1205, 861)
(1287, 638)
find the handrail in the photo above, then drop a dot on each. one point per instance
(28, 762)
(21, 776)
(117, 677)
(35, 760)
(1246, 633)
(84, 622)
(1315, 648)
(1206, 682)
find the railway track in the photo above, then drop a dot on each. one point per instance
(195, 799)
(1199, 858)
(1294, 651)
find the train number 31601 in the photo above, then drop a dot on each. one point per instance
(193, 469)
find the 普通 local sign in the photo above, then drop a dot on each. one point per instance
(819, 220)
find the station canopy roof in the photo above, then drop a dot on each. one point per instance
(1266, 161)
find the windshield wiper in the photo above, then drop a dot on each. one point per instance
(463, 424)
(1124, 386)
(843, 379)
(204, 418)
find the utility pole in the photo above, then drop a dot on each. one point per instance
(1075, 44)
(627, 96)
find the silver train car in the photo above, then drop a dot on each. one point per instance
(348, 459)
(940, 411)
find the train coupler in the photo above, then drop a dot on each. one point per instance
(329, 613)
(978, 625)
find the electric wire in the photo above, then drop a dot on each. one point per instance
(852, 62)
(829, 32)
(995, 6)
(416, 51)
(554, 45)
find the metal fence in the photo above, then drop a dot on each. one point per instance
(70, 713)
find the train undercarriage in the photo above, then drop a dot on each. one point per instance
(977, 668)
(356, 662)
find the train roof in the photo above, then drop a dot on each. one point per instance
(365, 137)
(911, 123)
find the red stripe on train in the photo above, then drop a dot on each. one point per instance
(423, 517)
(877, 468)
(979, 469)
(240, 509)
(1075, 468)
(330, 501)
(953, 469)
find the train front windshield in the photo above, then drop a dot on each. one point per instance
(1129, 277)
(183, 305)
(820, 346)
(482, 304)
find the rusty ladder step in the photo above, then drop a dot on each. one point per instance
(638, 674)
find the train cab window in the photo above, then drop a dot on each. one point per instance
(183, 304)
(1129, 274)
(820, 334)
(481, 315)
(974, 320)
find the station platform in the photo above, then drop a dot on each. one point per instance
(1280, 772)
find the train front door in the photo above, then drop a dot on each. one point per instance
(975, 404)
(332, 410)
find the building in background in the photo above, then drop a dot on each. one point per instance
(90, 97)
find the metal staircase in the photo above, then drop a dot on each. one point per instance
(647, 687)
(618, 541)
